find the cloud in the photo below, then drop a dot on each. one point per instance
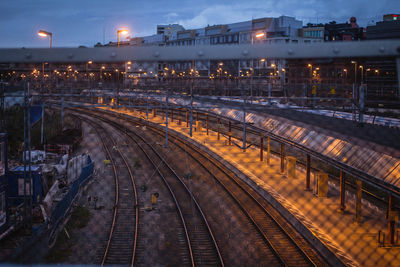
(222, 14)
(77, 22)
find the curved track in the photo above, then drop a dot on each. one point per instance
(123, 235)
(288, 246)
(202, 247)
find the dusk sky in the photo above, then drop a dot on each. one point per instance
(75, 23)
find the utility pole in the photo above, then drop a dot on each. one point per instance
(27, 148)
(244, 121)
(166, 118)
(191, 109)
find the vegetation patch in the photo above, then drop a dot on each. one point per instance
(68, 236)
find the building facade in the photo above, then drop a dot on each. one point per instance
(389, 28)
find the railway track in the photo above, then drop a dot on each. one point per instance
(202, 247)
(288, 246)
(122, 239)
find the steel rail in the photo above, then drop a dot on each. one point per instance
(117, 195)
(115, 125)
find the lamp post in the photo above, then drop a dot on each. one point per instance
(120, 32)
(355, 70)
(87, 70)
(43, 33)
(362, 73)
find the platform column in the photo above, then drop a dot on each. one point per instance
(207, 123)
(358, 200)
(187, 118)
(342, 191)
(218, 124)
(230, 133)
(179, 117)
(291, 167)
(282, 157)
(308, 172)
(261, 147)
(391, 220)
(268, 150)
(147, 109)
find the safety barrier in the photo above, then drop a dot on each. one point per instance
(63, 206)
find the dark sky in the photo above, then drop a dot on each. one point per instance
(86, 22)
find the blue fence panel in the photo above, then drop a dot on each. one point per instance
(36, 114)
(86, 173)
(62, 206)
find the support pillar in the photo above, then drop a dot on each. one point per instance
(154, 113)
(166, 120)
(207, 122)
(179, 117)
(147, 109)
(391, 220)
(244, 128)
(261, 147)
(269, 92)
(268, 150)
(197, 116)
(187, 119)
(308, 172)
(282, 157)
(230, 133)
(358, 201)
(218, 127)
(342, 206)
(291, 167)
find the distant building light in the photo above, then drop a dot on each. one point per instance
(259, 35)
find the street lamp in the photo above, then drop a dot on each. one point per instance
(87, 70)
(355, 70)
(362, 73)
(123, 32)
(310, 66)
(43, 33)
(101, 71)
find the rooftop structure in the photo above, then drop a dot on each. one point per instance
(389, 28)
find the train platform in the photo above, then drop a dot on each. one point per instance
(354, 243)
